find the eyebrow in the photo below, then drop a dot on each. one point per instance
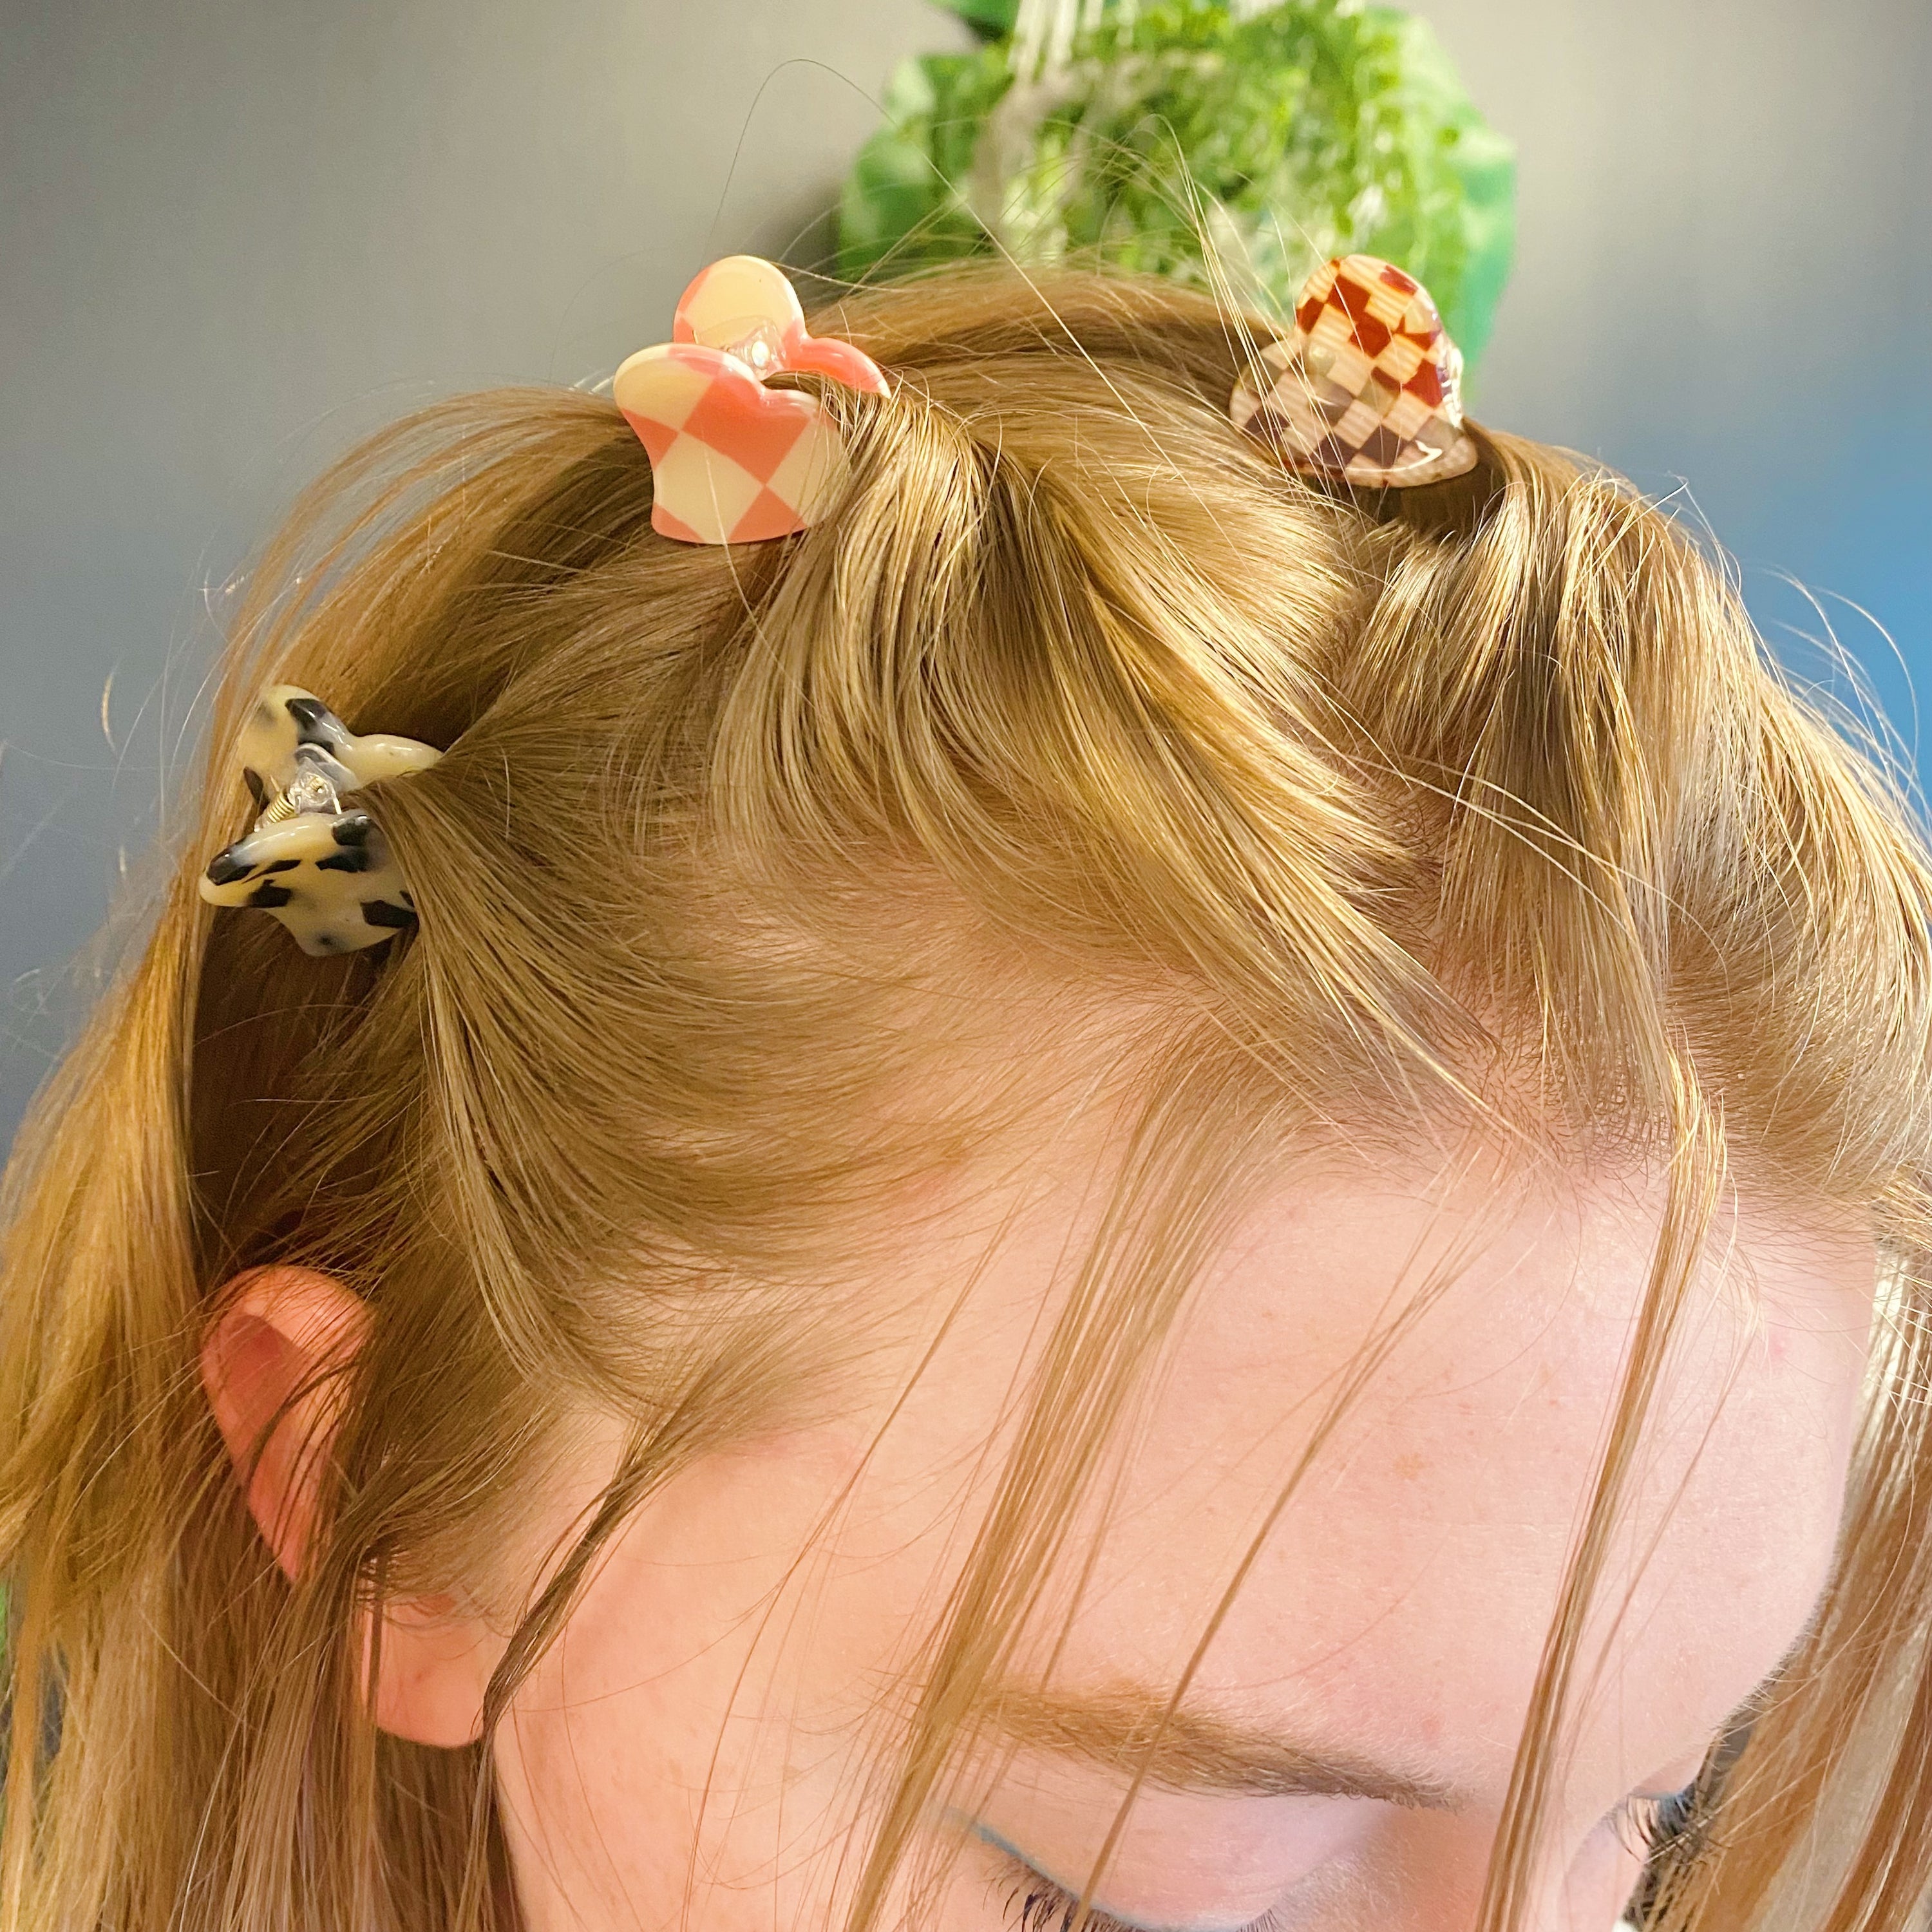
(1196, 1748)
(1133, 1731)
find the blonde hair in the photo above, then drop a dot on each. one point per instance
(1513, 822)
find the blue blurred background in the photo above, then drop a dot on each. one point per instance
(236, 234)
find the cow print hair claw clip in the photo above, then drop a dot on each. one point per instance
(325, 872)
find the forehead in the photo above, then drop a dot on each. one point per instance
(1428, 1365)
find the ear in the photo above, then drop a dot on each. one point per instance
(271, 1362)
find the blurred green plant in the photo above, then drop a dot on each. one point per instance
(1155, 135)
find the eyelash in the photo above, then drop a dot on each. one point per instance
(1036, 1904)
(1663, 1825)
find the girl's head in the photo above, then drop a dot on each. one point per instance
(1105, 1193)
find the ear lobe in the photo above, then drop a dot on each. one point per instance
(271, 1362)
(434, 1670)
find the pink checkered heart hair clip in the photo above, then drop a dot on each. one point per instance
(732, 461)
(1367, 392)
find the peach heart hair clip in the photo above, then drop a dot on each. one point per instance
(732, 461)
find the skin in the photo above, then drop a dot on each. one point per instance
(692, 1751)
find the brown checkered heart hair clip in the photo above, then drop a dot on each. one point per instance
(1366, 394)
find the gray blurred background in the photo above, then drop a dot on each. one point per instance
(236, 234)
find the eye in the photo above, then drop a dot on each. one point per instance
(1034, 1903)
(1675, 1830)
(1655, 1827)
(1670, 1834)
